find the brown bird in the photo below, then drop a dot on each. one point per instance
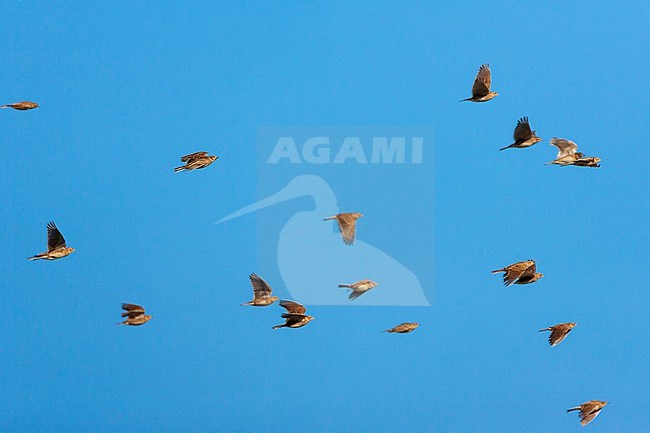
(568, 154)
(403, 328)
(359, 288)
(261, 292)
(347, 225)
(523, 135)
(558, 332)
(22, 106)
(520, 273)
(295, 315)
(56, 247)
(134, 315)
(589, 410)
(195, 161)
(587, 161)
(481, 88)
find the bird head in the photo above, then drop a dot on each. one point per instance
(539, 275)
(148, 317)
(357, 215)
(494, 94)
(536, 139)
(274, 298)
(309, 318)
(70, 250)
(213, 158)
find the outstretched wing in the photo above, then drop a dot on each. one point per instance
(522, 130)
(55, 239)
(482, 82)
(347, 226)
(193, 156)
(516, 270)
(566, 147)
(292, 307)
(261, 289)
(132, 310)
(588, 412)
(558, 333)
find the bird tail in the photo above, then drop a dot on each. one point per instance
(36, 257)
(120, 323)
(574, 408)
(387, 330)
(345, 286)
(466, 99)
(330, 218)
(496, 271)
(507, 147)
(246, 303)
(177, 169)
(5, 106)
(278, 326)
(545, 329)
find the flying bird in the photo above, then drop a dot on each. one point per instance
(347, 225)
(589, 410)
(481, 88)
(134, 314)
(588, 161)
(520, 273)
(295, 316)
(523, 135)
(195, 161)
(403, 328)
(261, 292)
(56, 247)
(558, 332)
(568, 154)
(22, 106)
(358, 288)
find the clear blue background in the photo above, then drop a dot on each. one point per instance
(128, 87)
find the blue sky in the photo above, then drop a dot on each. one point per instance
(126, 88)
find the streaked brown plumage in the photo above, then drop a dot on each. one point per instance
(195, 161)
(135, 315)
(523, 135)
(589, 410)
(359, 288)
(520, 273)
(403, 328)
(22, 106)
(587, 161)
(568, 154)
(295, 316)
(558, 332)
(482, 83)
(261, 292)
(347, 225)
(56, 246)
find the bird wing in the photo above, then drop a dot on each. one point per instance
(522, 130)
(566, 147)
(293, 307)
(54, 237)
(133, 308)
(261, 289)
(482, 81)
(193, 156)
(347, 226)
(588, 412)
(558, 333)
(516, 270)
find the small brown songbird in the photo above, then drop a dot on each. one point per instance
(523, 135)
(295, 316)
(22, 106)
(589, 410)
(134, 315)
(358, 288)
(481, 88)
(195, 161)
(403, 328)
(568, 154)
(558, 332)
(347, 225)
(520, 273)
(261, 292)
(56, 247)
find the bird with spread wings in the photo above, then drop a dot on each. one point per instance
(347, 225)
(195, 161)
(56, 246)
(295, 316)
(481, 89)
(520, 273)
